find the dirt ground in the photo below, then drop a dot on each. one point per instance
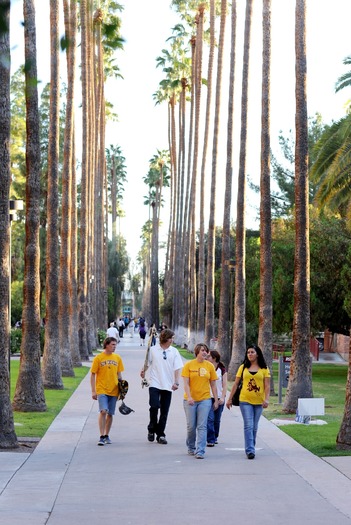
(26, 444)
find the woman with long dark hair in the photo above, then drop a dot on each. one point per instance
(254, 395)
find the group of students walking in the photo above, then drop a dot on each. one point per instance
(205, 387)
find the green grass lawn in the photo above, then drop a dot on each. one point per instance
(35, 424)
(329, 381)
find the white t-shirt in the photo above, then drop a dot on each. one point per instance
(112, 332)
(163, 365)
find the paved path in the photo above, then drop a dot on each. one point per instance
(69, 480)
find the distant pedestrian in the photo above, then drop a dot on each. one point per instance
(121, 326)
(199, 379)
(165, 363)
(254, 395)
(153, 334)
(112, 331)
(142, 334)
(214, 416)
(106, 370)
(131, 326)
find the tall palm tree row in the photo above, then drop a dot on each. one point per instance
(67, 342)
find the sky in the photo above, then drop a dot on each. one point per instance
(141, 129)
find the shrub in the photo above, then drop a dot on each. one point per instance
(101, 335)
(16, 340)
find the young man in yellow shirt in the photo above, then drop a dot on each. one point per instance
(106, 370)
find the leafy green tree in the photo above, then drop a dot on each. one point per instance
(283, 198)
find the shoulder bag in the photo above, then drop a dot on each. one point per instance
(235, 399)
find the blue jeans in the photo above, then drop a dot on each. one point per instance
(196, 420)
(251, 416)
(159, 400)
(213, 423)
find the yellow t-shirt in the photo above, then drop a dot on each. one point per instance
(253, 385)
(200, 375)
(106, 367)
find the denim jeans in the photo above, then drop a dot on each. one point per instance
(251, 416)
(213, 423)
(159, 400)
(196, 419)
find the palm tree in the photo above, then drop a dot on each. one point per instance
(201, 277)
(29, 393)
(83, 223)
(225, 299)
(51, 359)
(8, 437)
(211, 239)
(69, 350)
(239, 328)
(156, 179)
(331, 168)
(300, 377)
(265, 306)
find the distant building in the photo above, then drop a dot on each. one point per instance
(127, 304)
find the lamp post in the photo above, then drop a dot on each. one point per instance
(14, 205)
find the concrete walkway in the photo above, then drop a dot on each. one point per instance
(69, 480)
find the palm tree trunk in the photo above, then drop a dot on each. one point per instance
(8, 438)
(300, 377)
(265, 306)
(239, 328)
(68, 351)
(83, 225)
(51, 359)
(201, 277)
(226, 299)
(29, 393)
(211, 239)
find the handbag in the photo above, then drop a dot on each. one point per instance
(236, 396)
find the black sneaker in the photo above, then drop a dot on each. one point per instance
(151, 437)
(251, 455)
(101, 441)
(162, 440)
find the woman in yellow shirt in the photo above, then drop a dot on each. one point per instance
(199, 379)
(254, 395)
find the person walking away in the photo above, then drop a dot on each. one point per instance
(254, 395)
(112, 331)
(142, 334)
(153, 334)
(164, 363)
(121, 327)
(200, 378)
(214, 416)
(131, 325)
(106, 370)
